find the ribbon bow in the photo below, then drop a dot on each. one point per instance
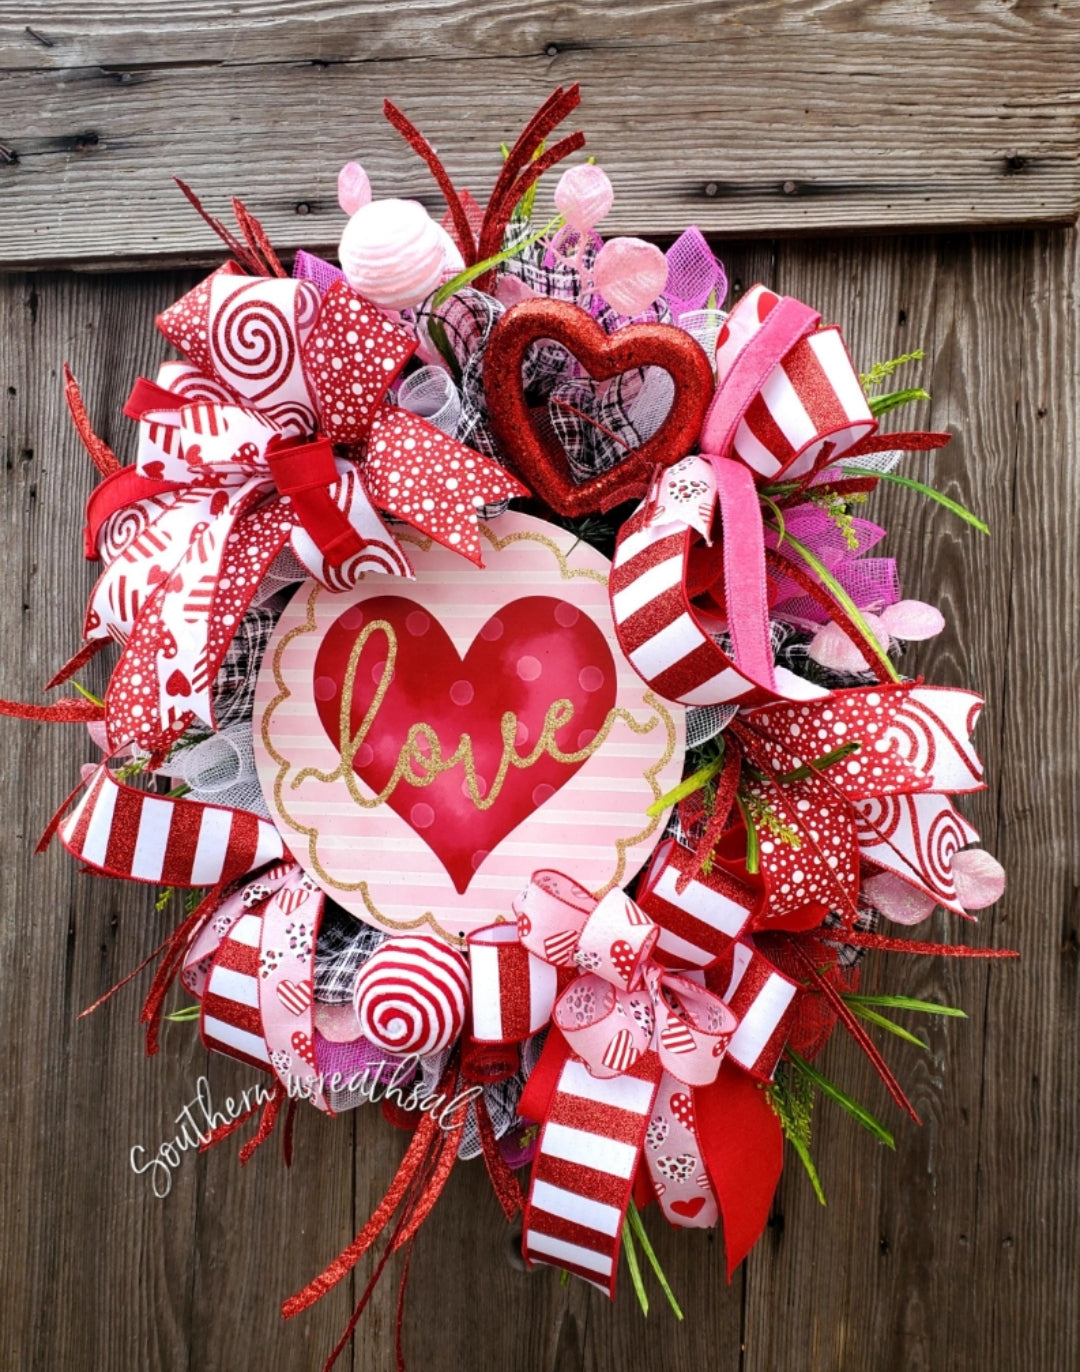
(623, 1003)
(788, 403)
(636, 1048)
(278, 431)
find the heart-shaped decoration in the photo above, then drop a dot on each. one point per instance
(295, 996)
(411, 696)
(536, 452)
(496, 701)
(688, 1208)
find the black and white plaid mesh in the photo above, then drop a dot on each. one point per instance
(234, 686)
(344, 944)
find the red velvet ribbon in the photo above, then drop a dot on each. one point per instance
(742, 1145)
(122, 488)
(303, 472)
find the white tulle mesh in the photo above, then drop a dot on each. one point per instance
(875, 462)
(221, 770)
(431, 394)
(704, 327)
(653, 402)
(706, 721)
(285, 570)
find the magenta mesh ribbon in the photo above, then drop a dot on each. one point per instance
(872, 582)
(353, 1059)
(308, 267)
(694, 274)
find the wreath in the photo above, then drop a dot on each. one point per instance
(502, 676)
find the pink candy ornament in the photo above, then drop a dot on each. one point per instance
(584, 196)
(979, 878)
(910, 620)
(394, 253)
(629, 273)
(898, 900)
(353, 188)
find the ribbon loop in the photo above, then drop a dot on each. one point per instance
(754, 354)
(787, 399)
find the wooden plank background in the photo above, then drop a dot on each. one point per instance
(958, 1251)
(748, 118)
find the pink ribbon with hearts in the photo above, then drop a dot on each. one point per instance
(623, 1003)
(642, 1037)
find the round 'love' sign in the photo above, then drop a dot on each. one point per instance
(425, 745)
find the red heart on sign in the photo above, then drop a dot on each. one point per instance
(422, 720)
(536, 452)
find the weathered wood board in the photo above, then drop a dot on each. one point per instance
(957, 1252)
(778, 116)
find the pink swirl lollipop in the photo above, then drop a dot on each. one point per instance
(411, 995)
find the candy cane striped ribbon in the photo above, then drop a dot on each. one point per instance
(513, 991)
(230, 1021)
(132, 834)
(698, 922)
(785, 388)
(584, 1169)
(763, 1001)
(666, 637)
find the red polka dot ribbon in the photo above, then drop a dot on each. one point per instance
(882, 804)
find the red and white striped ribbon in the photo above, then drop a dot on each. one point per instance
(658, 628)
(808, 396)
(584, 1169)
(762, 999)
(230, 1021)
(698, 923)
(132, 834)
(513, 991)
(667, 639)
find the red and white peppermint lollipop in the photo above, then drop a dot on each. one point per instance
(411, 995)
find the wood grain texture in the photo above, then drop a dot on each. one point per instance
(956, 1252)
(745, 118)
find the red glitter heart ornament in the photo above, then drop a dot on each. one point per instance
(534, 450)
(408, 680)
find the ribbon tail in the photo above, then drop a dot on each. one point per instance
(506, 1186)
(583, 1176)
(743, 1146)
(673, 1155)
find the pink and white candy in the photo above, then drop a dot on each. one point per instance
(394, 253)
(412, 994)
(584, 196)
(353, 187)
(630, 273)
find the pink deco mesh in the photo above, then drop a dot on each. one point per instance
(872, 582)
(693, 274)
(308, 267)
